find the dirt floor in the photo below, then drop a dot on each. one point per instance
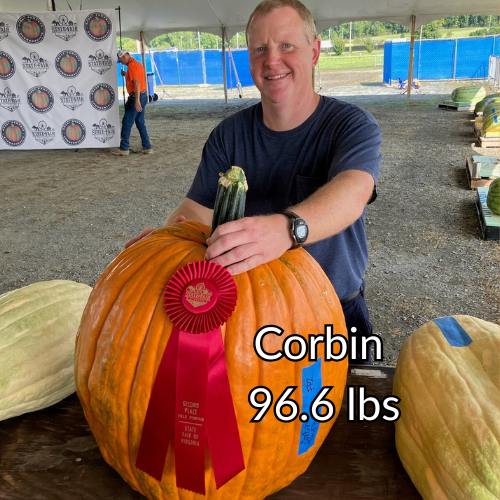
(66, 214)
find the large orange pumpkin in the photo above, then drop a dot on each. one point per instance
(124, 331)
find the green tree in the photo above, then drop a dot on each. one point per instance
(338, 45)
(369, 44)
(485, 32)
(431, 30)
(394, 28)
(238, 40)
(161, 42)
(376, 28)
(463, 21)
(208, 41)
(127, 44)
(189, 40)
(450, 22)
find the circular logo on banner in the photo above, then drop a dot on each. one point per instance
(73, 132)
(13, 133)
(30, 29)
(68, 64)
(102, 96)
(40, 99)
(7, 66)
(97, 26)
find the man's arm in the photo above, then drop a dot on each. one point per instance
(244, 244)
(137, 87)
(189, 209)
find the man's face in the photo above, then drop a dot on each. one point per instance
(281, 58)
(124, 59)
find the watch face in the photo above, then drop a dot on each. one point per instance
(301, 231)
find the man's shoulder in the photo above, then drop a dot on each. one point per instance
(343, 109)
(134, 65)
(240, 120)
(337, 109)
(243, 116)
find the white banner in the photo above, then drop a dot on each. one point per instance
(58, 80)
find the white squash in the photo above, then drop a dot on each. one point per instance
(447, 437)
(38, 326)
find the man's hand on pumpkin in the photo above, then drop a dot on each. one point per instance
(246, 243)
(149, 230)
(143, 234)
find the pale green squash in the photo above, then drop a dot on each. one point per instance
(448, 434)
(468, 94)
(38, 326)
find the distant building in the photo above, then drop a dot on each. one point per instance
(326, 44)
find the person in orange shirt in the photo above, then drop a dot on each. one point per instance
(134, 107)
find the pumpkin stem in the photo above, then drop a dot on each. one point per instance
(231, 197)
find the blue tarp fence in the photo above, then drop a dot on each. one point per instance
(196, 67)
(440, 59)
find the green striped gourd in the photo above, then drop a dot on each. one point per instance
(470, 94)
(491, 123)
(38, 326)
(490, 107)
(480, 105)
(493, 198)
(231, 197)
(447, 437)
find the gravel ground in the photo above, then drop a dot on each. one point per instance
(66, 214)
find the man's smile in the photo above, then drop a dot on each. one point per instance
(276, 77)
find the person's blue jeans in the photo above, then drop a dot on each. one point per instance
(131, 115)
(357, 316)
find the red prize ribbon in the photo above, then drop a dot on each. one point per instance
(191, 397)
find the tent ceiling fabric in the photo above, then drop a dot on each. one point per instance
(156, 17)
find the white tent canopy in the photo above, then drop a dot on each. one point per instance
(156, 17)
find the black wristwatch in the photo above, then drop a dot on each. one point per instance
(298, 227)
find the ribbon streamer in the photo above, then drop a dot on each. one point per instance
(191, 396)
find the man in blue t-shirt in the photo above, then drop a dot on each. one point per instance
(314, 157)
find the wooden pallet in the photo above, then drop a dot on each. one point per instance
(478, 124)
(488, 221)
(477, 176)
(488, 141)
(457, 106)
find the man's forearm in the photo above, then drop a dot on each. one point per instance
(336, 205)
(191, 211)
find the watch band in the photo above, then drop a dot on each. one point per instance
(294, 218)
(291, 215)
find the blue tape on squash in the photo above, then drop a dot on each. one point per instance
(312, 382)
(453, 331)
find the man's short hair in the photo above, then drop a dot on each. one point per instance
(267, 6)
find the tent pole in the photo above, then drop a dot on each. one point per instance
(412, 46)
(224, 61)
(143, 53)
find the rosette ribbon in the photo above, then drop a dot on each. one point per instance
(191, 398)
